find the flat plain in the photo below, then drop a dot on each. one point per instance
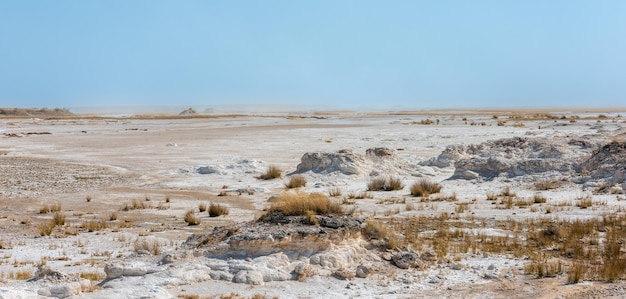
(526, 204)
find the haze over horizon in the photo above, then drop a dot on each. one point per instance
(339, 54)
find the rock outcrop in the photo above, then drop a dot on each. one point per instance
(344, 161)
(513, 157)
(607, 163)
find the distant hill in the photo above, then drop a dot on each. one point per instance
(35, 112)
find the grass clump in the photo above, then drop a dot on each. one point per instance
(58, 219)
(45, 229)
(93, 225)
(424, 188)
(385, 184)
(539, 198)
(272, 172)
(202, 207)
(584, 202)
(216, 210)
(303, 204)
(191, 218)
(334, 192)
(296, 181)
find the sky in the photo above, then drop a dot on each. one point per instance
(337, 54)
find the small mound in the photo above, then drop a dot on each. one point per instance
(188, 111)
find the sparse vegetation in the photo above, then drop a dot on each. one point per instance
(191, 218)
(296, 181)
(216, 210)
(45, 228)
(385, 184)
(334, 192)
(272, 172)
(299, 204)
(202, 207)
(93, 225)
(584, 202)
(58, 219)
(424, 188)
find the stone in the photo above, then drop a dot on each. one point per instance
(404, 260)
(362, 271)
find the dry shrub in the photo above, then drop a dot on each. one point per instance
(216, 210)
(299, 204)
(58, 219)
(507, 192)
(375, 230)
(385, 184)
(44, 209)
(45, 229)
(272, 172)
(202, 207)
(334, 192)
(424, 188)
(113, 216)
(547, 184)
(23, 275)
(360, 195)
(296, 181)
(584, 202)
(576, 272)
(151, 245)
(93, 276)
(539, 198)
(93, 225)
(191, 219)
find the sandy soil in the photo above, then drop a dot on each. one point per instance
(95, 167)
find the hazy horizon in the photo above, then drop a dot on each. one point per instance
(339, 54)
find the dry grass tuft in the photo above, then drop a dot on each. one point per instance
(93, 225)
(302, 204)
(296, 181)
(539, 198)
(584, 202)
(216, 210)
(424, 188)
(385, 184)
(45, 229)
(191, 218)
(334, 192)
(148, 244)
(548, 184)
(202, 207)
(272, 172)
(58, 219)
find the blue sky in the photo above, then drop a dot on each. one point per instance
(343, 54)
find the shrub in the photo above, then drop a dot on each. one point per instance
(93, 225)
(202, 207)
(191, 219)
(538, 198)
(334, 192)
(59, 218)
(45, 229)
(296, 181)
(584, 202)
(425, 187)
(148, 244)
(302, 204)
(216, 210)
(385, 184)
(272, 172)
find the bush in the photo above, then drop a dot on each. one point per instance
(296, 181)
(59, 218)
(45, 229)
(216, 210)
(202, 207)
(191, 219)
(385, 184)
(272, 172)
(425, 187)
(303, 204)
